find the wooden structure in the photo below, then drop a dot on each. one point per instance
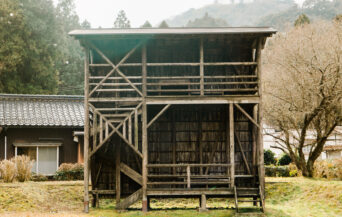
(173, 113)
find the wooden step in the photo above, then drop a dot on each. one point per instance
(130, 200)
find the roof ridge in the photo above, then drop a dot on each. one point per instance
(40, 96)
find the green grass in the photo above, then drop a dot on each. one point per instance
(285, 197)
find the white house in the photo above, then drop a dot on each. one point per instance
(332, 148)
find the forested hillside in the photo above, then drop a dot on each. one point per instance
(276, 13)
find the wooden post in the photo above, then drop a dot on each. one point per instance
(200, 140)
(188, 174)
(130, 129)
(232, 144)
(124, 130)
(261, 169)
(144, 132)
(117, 173)
(201, 67)
(255, 138)
(227, 139)
(101, 129)
(203, 203)
(136, 129)
(86, 132)
(94, 129)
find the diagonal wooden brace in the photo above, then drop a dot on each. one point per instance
(247, 115)
(115, 68)
(158, 115)
(115, 130)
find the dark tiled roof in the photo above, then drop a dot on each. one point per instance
(41, 110)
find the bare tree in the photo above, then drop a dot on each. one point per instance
(303, 89)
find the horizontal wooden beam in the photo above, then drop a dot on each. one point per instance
(186, 165)
(181, 64)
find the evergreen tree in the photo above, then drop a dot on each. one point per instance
(29, 36)
(302, 20)
(122, 21)
(146, 25)
(86, 24)
(70, 66)
(163, 24)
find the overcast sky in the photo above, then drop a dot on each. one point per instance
(103, 12)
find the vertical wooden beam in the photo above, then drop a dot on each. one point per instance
(261, 169)
(106, 129)
(231, 144)
(117, 173)
(203, 203)
(124, 130)
(227, 139)
(130, 129)
(255, 138)
(200, 140)
(86, 132)
(101, 129)
(188, 174)
(144, 132)
(94, 129)
(201, 67)
(136, 129)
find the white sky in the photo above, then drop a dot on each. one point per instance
(103, 12)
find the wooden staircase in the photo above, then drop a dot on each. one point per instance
(257, 197)
(130, 200)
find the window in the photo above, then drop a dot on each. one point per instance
(45, 156)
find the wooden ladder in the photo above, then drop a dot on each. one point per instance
(258, 197)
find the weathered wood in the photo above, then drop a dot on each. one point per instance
(136, 129)
(117, 172)
(174, 143)
(255, 138)
(130, 129)
(242, 153)
(115, 68)
(200, 140)
(144, 133)
(247, 115)
(94, 130)
(201, 67)
(86, 132)
(101, 131)
(131, 173)
(124, 130)
(186, 165)
(231, 144)
(203, 203)
(188, 173)
(158, 115)
(181, 64)
(261, 169)
(129, 200)
(211, 157)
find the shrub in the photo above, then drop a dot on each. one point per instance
(284, 160)
(269, 157)
(293, 173)
(8, 170)
(69, 171)
(23, 166)
(330, 169)
(277, 171)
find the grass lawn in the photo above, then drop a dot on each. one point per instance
(284, 197)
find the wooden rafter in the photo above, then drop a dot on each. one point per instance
(115, 68)
(158, 115)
